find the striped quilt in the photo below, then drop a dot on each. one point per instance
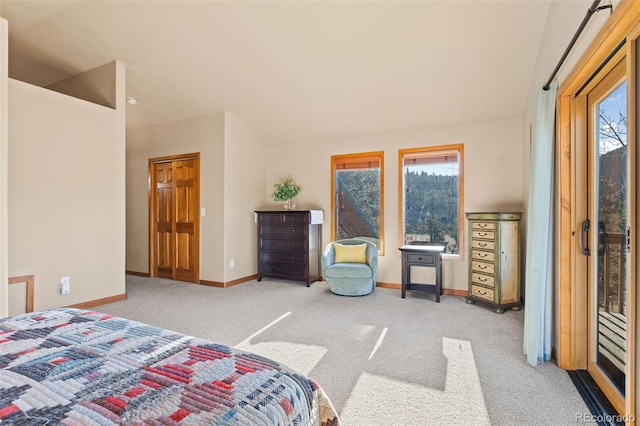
(77, 367)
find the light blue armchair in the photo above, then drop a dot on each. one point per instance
(349, 275)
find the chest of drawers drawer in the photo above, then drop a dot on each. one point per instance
(483, 235)
(289, 257)
(485, 256)
(487, 268)
(482, 279)
(485, 245)
(283, 218)
(282, 270)
(485, 226)
(295, 231)
(482, 292)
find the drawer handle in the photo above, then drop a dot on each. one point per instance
(294, 257)
(294, 244)
(482, 244)
(293, 230)
(484, 293)
(483, 234)
(482, 267)
(420, 258)
(482, 225)
(482, 255)
(293, 271)
(482, 279)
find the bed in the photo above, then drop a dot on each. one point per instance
(78, 367)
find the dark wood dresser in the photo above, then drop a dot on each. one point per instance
(289, 244)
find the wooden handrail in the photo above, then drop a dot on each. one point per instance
(30, 280)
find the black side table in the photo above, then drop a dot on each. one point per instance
(419, 255)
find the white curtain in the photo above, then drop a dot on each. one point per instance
(538, 314)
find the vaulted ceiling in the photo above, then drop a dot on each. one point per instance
(293, 71)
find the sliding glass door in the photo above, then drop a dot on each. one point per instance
(607, 229)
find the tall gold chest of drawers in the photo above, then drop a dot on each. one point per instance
(494, 259)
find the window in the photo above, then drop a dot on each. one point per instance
(432, 193)
(357, 188)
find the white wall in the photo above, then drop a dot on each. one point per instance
(245, 170)
(66, 194)
(205, 135)
(492, 178)
(563, 21)
(4, 165)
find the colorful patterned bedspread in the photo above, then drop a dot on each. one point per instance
(76, 367)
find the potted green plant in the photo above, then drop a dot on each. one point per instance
(286, 191)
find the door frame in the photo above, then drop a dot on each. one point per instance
(571, 291)
(152, 214)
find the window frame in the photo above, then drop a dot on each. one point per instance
(353, 158)
(431, 150)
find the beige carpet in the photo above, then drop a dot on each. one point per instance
(382, 360)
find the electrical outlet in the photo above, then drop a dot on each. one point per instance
(65, 285)
(232, 263)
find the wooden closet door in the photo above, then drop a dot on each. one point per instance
(164, 223)
(174, 207)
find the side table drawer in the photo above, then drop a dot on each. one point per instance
(426, 259)
(481, 292)
(487, 268)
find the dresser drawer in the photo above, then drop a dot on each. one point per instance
(283, 269)
(486, 280)
(486, 245)
(486, 235)
(481, 292)
(273, 256)
(288, 218)
(487, 268)
(487, 256)
(289, 244)
(293, 230)
(483, 225)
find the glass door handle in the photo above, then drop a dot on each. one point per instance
(585, 230)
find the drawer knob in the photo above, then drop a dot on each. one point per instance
(293, 230)
(294, 244)
(293, 257)
(420, 258)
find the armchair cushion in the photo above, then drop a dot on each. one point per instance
(348, 270)
(350, 253)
